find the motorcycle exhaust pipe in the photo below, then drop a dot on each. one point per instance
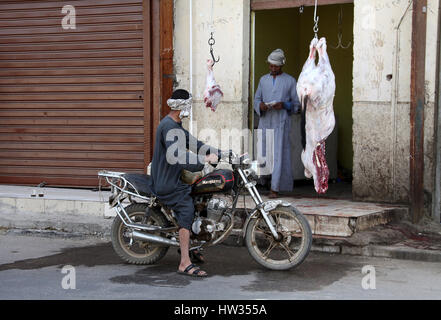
(153, 238)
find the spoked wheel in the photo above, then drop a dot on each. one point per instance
(137, 251)
(292, 245)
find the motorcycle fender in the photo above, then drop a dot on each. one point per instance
(267, 206)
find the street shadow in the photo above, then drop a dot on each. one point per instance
(89, 256)
(316, 272)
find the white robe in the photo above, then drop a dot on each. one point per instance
(280, 89)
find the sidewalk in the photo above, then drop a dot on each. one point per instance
(339, 225)
(73, 211)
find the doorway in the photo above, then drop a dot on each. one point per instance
(436, 197)
(291, 29)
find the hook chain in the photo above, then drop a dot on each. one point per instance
(316, 21)
(211, 40)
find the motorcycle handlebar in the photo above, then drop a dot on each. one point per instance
(231, 157)
(227, 155)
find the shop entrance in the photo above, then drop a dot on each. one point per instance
(291, 29)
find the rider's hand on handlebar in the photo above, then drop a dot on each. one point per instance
(211, 158)
(226, 155)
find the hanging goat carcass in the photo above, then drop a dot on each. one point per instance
(212, 93)
(316, 90)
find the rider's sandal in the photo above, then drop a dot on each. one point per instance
(195, 273)
(195, 256)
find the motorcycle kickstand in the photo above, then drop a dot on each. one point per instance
(240, 240)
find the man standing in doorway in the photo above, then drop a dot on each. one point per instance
(275, 101)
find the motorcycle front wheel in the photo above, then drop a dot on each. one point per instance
(137, 251)
(291, 247)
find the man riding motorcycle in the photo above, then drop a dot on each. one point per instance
(170, 157)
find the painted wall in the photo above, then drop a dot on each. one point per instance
(382, 127)
(231, 21)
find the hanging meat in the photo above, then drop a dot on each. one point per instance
(316, 90)
(212, 93)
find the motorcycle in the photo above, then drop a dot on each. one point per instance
(276, 233)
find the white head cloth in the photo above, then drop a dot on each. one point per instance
(184, 105)
(277, 57)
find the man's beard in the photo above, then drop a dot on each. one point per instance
(185, 113)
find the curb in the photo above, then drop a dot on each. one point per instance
(395, 251)
(78, 225)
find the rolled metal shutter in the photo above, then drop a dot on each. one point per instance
(71, 101)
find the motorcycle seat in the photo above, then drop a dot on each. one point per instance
(189, 177)
(141, 182)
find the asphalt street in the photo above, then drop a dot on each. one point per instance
(37, 267)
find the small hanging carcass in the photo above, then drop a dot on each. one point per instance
(213, 93)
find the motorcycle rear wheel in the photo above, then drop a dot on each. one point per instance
(139, 252)
(293, 245)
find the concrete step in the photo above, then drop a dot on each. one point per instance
(73, 209)
(339, 218)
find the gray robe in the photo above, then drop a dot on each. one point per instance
(166, 177)
(280, 89)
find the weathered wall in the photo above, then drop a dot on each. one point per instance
(231, 25)
(381, 130)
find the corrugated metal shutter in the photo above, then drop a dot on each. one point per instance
(71, 101)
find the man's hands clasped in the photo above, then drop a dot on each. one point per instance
(265, 107)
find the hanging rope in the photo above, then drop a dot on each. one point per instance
(211, 17)
(211, 40)
(316, 21)
(340, 32)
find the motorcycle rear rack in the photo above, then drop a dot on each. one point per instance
(117, 183)
(119, 187)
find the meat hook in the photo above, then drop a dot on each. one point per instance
(340, 32)
(211, 43)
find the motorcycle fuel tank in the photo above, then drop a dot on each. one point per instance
(216, 181)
